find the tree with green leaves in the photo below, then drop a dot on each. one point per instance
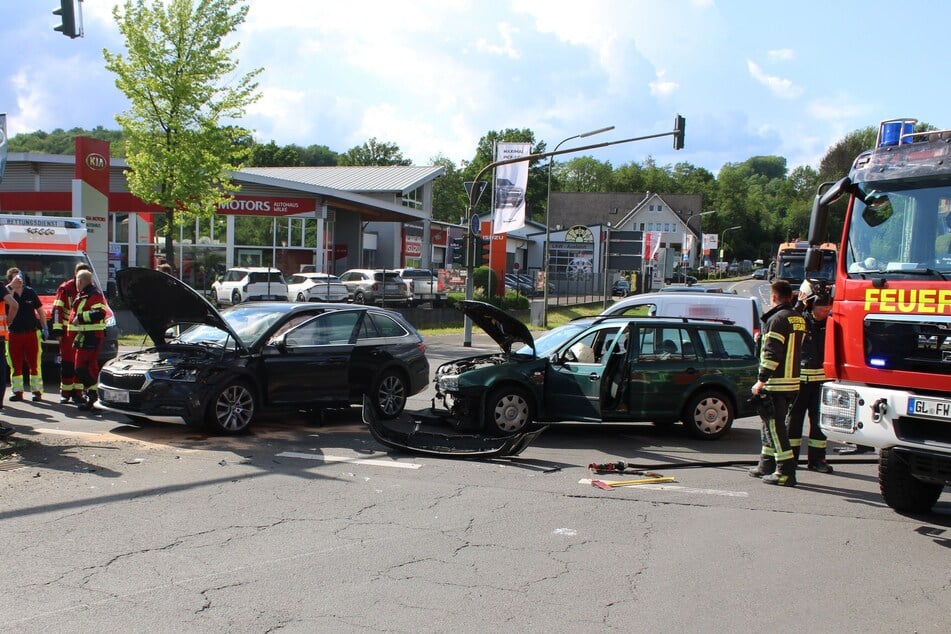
(179, 77)
(582, 174)
(374, 152)
(449, 192)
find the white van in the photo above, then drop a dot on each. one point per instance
(743, 311)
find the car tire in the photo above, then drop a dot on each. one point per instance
(232, 408)
(902, 491)
(390, 393)
(359, 298)
(300, 297)
(508, 410)
(708, 415)
(235, 297)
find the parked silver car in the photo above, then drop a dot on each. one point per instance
(368, 286)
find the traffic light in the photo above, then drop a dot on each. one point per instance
(67, 16)
(459, 251)
(679, 124)
(482, 251)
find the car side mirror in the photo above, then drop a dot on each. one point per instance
(554, 359)
(278, 343)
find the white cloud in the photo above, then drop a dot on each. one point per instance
(506, 48)
(781, 55)
(777, 85)
(661, 87)
(31, 113)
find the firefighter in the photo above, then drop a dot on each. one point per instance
(815, 305)
(69, 387)
(87, 322)
(778, 381)
(26, 330)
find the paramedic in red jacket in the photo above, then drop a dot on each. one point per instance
(87, 322)
(69, 386)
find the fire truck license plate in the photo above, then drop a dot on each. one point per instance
(116, 396)
(931, 407)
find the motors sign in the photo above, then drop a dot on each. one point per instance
(267, 206)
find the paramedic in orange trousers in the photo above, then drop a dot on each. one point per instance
(69, 386)
(27, 330)
(8, 311)
(87, 322)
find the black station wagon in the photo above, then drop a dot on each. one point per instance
(223, 368)
(608, 369)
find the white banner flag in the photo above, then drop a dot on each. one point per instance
(688, 245)
(652, 244)
(3, 144)
(511, 182)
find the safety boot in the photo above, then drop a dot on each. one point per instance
(817, 460)
(767, 464)
(784, 476)
(89, 404)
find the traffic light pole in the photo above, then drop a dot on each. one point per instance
(677, 133)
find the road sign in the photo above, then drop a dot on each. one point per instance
(479, 188)
(475, 225)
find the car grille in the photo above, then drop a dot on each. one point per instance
(132, 381)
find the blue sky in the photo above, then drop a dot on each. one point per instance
(751, 77)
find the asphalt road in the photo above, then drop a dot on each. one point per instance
(306, 525)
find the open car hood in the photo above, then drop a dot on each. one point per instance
(160, 301)
(502, 327)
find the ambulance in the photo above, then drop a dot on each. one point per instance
(47, 249)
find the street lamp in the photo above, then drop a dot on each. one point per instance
(722, 239)
(699, 228)
(548, 214)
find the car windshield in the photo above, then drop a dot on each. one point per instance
(900, 229)
(554, 339)
(248, 322)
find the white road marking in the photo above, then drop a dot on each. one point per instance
(350, 459)
(675, 488)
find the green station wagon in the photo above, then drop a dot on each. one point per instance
(608, 369)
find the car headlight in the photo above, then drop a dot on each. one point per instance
(189, 375)
(448, 382)
(839, 409)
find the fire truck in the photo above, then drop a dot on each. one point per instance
(46, 249)
(888, 343)
(791, 261)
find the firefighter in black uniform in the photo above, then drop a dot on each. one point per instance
(815, 305)
(778, 381)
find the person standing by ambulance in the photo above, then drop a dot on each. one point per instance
(8, 311)
(69, 387)
(27, 331)
(779, 379)
(87, 322)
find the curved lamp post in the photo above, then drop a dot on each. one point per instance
(548, 214)
(722, 240)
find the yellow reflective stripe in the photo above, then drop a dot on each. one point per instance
(795, 442)
(817, 444)
(768, 451)
(785, 455)
(769, 364)
(778, 336)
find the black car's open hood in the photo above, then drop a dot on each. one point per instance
(160, 301)
(502, 327)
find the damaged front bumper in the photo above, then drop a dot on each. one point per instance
(430, 432)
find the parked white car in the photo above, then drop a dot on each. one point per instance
(251, 283)
(742, 311)
(316, 287)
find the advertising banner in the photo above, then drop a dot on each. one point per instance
(511, 182)
(3, 144)
(710, 241)
(652, 244)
